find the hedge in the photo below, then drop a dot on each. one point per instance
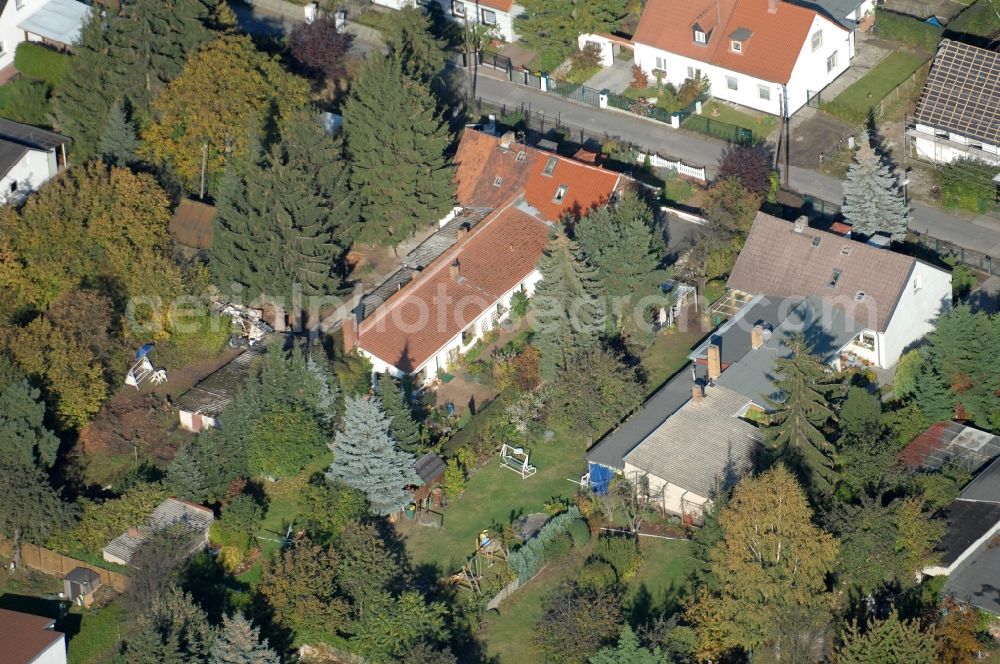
(526, 561)
(40, 62)
(907, 30)
(966, 184)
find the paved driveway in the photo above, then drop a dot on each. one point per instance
(615, 78)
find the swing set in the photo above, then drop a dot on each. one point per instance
(516, 459)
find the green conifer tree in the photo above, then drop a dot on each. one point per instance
(23, 436)
(889, 641)
(118, 143)
(872, 200)
(84, 98)
(366, 457)
(392, 126)
(805, 387)
(566, 311)
(185, 478)
(30, 509)
(403, 428)
(239, 642)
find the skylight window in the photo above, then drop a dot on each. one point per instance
(860, 297)
(834, 278)
(816, 240)
(550, 166)
(560, 193)
(498, 181)
(846, 251)
(521, 156)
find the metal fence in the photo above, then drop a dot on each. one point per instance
(970, 257)
(723, 130)
(569, 90)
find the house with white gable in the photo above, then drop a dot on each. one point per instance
(958, 115)
(769, 55)
(497, 14)
(56, 23)
(29, 157)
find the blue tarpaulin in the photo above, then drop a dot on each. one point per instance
(933, 20)
(600, 477)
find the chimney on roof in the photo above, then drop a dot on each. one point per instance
(759, 336)
(772, 6)
(697, 392)
(453, 270)
(350, 331)
(801, 223)
(462, 231)
(132, 532)
(507, 139)
(714, 363)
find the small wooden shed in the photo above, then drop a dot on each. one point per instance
(80, 585)
(430, 467)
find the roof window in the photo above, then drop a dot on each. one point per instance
(816, 240)
(834, 278)
(521, 156)
(846, 251)
(550, 166)
(498, 181)
(560, 193)
(860, 297)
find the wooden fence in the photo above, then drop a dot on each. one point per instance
(56, 564)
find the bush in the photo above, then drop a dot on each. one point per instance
(193, 339)
(963, 280)
(527, 560)
(622, 553)
(454, 479)
(25, 100)
(40, 62)
(558, 548)
(579, 530)
(966, 184)
(907, 30)
(231, 558)
(597, 575)
(518, 306)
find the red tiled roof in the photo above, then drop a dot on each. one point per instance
(499, 5)
(770, 52)
(23, 636)
(496, 255)
(481, 160)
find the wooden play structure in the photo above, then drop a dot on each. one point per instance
(489, 551)
(516, 459)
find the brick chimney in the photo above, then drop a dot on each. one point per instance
(714, 363)
(697, 392)
(772, 6)
(462, 231)
(350, 329)
(132, 532)
(756, 337)
(453, 270)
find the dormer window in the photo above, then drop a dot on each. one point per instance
(699, 37)
(736, 46)
(738, 39)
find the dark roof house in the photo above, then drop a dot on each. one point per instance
(27, 638)
(201, 405)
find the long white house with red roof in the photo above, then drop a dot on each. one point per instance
(769, 55)
(497, 14)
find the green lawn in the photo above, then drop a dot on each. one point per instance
(496, 496)
(760, 124)
(667, 354)
(662, 580)
(979, 20)
(855, 103)
(101, 632)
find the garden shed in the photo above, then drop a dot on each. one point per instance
(80, 585)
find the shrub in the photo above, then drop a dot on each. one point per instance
(40, 62)
(193, 339)
(597, 575)
(518, 305)
(527, 560)
(579, 530)
(241, 518)
(963, 280)
(907, 30)
(454, 479)
(558, 548)
(231, 558)
(622, 553)
(966, 184)
(691, 89)
(25, 100)
(639, 79)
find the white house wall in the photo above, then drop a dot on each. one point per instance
(33, 170)
(10, 34)
(809, 74)
(676, 500)
(504, 20)
(943, 150)
(54, 654)
(925, 297)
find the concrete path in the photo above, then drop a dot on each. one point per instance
(615, 78)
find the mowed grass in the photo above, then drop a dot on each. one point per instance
(662, 581)
(667, 354)
(494, 497)
(101, 633)
(855, 103)
(761, 124)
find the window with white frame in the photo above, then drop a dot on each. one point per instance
(661, 63)
(737, 46)
(732, 83)
(3, 47)
(694, 73)
(831, 62)
(19, 4)
(489, 17)
(458, 8)
(764, 92)
(699, 37)
(817, 39)
(560, 193)
(865, 340)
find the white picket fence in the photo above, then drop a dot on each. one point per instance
(696, 172)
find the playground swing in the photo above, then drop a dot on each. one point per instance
(516, 459)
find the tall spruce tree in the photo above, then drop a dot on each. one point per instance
(392, 126)
(873, 202)
(622, 242)
(239, 642)
(185, 478)
(285, 221)
(799, 413)
(566, 312)
(365, 457)
(129, 54)
(30, 509)
(118, 143)
(888, 641)
(23, 436)
(404, 429)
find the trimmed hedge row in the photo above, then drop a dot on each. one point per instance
(907, 30)
(526, 561)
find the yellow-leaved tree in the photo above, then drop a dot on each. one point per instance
(227, 92)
